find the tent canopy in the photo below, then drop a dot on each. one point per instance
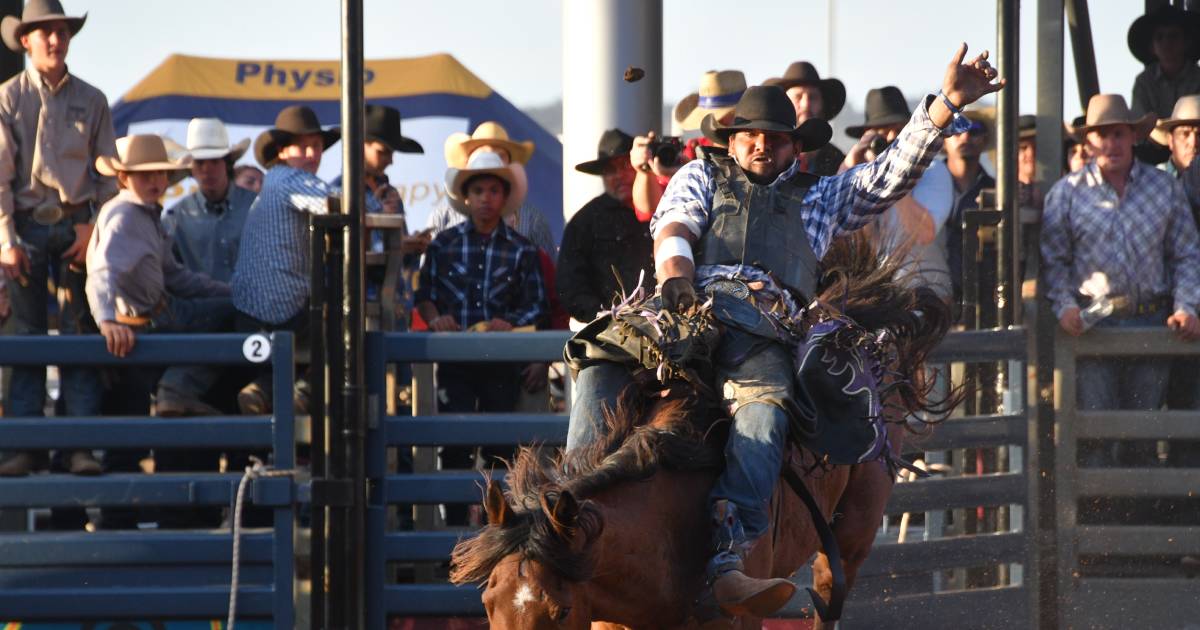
(436, 96)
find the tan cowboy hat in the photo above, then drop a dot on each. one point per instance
(207, 139)
(719, 94)
(36, 12)
(145, 152)
(684, 108)
(487, 163)
(1104, 110)
(1186, 112)
(292, 121)
(492, 134)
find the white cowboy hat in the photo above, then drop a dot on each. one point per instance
(486, 163)
(1105, 110)
(207, 139)
(1186, 112)
(140, 153)
(488, 134)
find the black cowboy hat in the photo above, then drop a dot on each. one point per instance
(383, 125)
(885, 107)
(1026, 126)
(36, 12)
(833, 91)
(292, 121)
(767, 108)
(1141, 32)
(613, 143)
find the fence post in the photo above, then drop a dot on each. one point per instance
(1066, 495)
(378, 409)
(283, 437)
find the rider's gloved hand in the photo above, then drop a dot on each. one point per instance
(678, 294)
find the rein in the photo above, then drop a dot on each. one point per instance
(831, 611)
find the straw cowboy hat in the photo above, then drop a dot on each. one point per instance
(138, 153)
(491, 134)
(292, 121)
(1104, 110)
(36, 12)
(383, 125)
(718, 95)
(1141, 32)
(1186, 112)
(487, 163)
(886, 106)
(207, 139)
(613, 143)
(833, 91)
(682, 110)
(767, 108)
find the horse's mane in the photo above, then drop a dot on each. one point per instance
(871, 290)
(629, 451)
(855, 283)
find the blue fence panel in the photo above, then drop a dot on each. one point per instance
(149, 574)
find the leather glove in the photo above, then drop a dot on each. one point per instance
(678, 294)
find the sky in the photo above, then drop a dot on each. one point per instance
(516, 45)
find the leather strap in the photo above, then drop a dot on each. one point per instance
(831, 610)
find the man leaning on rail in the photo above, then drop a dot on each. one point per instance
(707, 237)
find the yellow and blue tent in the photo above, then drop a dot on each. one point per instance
(436, 96)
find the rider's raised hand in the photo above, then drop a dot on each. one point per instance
(967, 81)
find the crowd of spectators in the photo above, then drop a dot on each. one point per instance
(80, 209)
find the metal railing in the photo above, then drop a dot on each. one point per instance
(149, 574)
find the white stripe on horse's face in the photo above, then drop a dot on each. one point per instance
(524, 595)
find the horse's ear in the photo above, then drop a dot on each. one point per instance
(496, 506)
(564, 514)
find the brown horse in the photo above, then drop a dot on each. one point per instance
(618, 532)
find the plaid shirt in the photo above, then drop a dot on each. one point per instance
(271, 278)
(476, 278)
(835, 205)
(1141, 242)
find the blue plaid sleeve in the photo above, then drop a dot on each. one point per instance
(306, 192)
(687, 199)
(426, 292)
(848, 201)
(1058, 247)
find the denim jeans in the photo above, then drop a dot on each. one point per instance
(81, 388)
(1121, 383)
(193, 315)
(754, 376)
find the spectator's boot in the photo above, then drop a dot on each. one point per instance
(732, 593)
(16, 464)
(169, 403)
(83, 463)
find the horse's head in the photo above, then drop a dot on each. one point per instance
(534, 561)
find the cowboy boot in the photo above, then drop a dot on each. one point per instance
(734, 592)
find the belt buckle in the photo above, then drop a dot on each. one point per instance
(728, 286)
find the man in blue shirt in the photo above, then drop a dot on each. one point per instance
(271, 279)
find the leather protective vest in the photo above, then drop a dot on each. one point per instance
(760, 226)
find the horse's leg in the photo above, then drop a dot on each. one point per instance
(859, 513)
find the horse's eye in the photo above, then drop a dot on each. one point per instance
(562, 614)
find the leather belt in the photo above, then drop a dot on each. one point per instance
(1129, 306)
(142, 321)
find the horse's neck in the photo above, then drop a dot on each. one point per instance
(649, 560)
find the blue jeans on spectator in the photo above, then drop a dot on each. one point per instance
(1121, 383)
(193, 315)
(80, 386)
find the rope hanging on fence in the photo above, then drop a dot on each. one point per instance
(255, 470)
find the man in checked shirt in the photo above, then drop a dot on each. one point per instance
(480, 275)
(744, 215)
(1131, 222)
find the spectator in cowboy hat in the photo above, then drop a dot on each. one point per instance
(606, 250)
(1167, 40)
(481, 275)
(53, 126)
(1130, 222)
(814, 97)
(207, 224)
(1179, 132)
(491, 136)
(271, 278)
(135, 284)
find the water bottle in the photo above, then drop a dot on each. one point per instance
(1099, 309)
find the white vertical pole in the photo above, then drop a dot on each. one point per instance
(601, 38)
